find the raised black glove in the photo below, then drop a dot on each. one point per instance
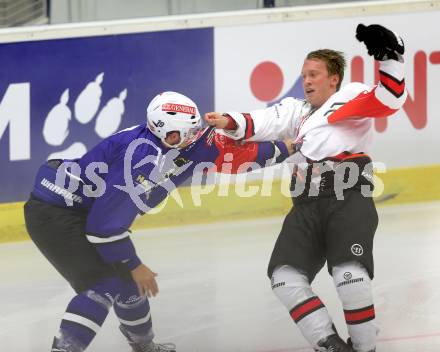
(381, 43)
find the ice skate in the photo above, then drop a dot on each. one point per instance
(147, 346)
(333, 343)
(349, 343)
(153, 347)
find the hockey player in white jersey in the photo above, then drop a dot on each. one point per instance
(333, 219)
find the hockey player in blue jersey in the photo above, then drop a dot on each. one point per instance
(80, 211)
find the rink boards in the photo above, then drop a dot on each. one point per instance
(401, 186)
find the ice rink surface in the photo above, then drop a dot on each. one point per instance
(215, 296)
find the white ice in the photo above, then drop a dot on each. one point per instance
(215, 296)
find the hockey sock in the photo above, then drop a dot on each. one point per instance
(353, 285)
(85, 315)
(134, 314)
(309, 313)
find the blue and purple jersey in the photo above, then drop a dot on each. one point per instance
(134, 166)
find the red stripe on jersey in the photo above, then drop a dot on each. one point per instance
(364, 105)
(305, 308)
(250, 131)
(347, 156)
(359, 316)
(396, 87)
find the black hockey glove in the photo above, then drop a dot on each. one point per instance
(381, 43)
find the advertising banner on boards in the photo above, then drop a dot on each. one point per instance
(58, 98)
(262, 64)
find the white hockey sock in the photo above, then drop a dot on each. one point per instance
(293, 290)
(354, 289)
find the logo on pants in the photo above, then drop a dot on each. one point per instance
(347, 275)
(357, 249)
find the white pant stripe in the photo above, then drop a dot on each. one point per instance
(136, 322)
(82, 321)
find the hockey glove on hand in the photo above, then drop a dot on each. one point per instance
(381, 43)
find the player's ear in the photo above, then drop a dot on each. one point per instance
(335, 79)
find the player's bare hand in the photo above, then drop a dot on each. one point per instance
(216, 119)
(145, 280)
(291, 146)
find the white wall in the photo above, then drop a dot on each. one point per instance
(64, 11)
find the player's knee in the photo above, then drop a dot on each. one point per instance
(353, 284)
(108, 289)
(131, 302)
(290, 285)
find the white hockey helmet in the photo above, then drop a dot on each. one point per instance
(171, 111)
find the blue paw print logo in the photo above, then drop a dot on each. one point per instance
(86, 109)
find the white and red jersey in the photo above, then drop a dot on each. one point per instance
(342, 124)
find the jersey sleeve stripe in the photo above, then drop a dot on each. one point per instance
(250, 128)
(392, 84)
(97, 240)
(364, 105)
